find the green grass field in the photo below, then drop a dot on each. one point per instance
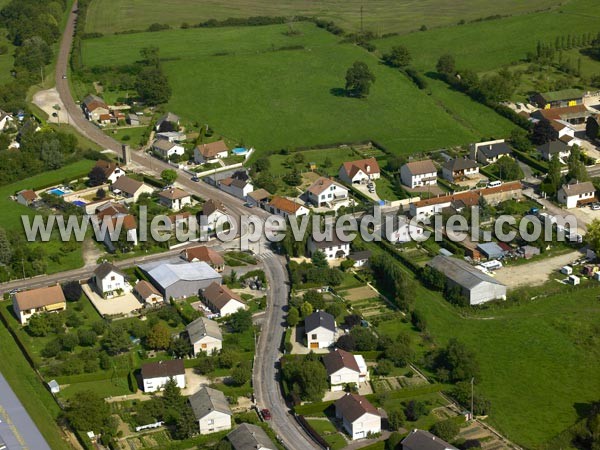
(275, 99)
(539, 361)
(492, 44)
(108, 16)
(13, 220)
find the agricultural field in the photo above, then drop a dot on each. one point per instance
(492, 44)
(265, 88)
(382, 16)
(539, 360)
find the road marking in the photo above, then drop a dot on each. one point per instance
(12, 427)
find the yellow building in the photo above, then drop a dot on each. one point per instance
(34, 301)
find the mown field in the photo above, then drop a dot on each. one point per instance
(540, 364)
(493, 44)
(108, 16)
(244, 85)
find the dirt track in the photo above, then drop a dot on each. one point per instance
(534, 273)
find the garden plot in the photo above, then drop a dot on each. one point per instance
(360, 293)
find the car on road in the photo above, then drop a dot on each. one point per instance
(265, 414)
(2, 444)
(196, 179)
(249, 205)
(64, 77)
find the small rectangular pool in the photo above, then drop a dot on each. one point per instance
(239, 151)
(56, 191)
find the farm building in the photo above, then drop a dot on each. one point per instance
(175, 278)
(475, 285)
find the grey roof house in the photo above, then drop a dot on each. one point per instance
(250, 437)
(211, 410)
(175, 278)
(424, 440)
(475, 285)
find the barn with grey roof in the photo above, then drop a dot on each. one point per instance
(475, 285)
(175, 278)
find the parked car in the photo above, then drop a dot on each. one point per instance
(249, 205)
(265, 414)
(195, 178)
(595, 206)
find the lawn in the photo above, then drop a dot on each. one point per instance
(31, 392)
(539, 360)
(300, 102)
(108, 16)
(133, 136)
(328, 432)
(13, 219)
(318, 156)
(492, 44)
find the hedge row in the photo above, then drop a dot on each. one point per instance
(95, 376)
(531, 161)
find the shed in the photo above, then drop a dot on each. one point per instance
(490, 250)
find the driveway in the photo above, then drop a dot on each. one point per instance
(125, 304)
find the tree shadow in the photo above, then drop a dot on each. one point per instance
(434, 75)
(338, 92)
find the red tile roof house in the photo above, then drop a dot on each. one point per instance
(360, 171)
(26, 197)
(325, 192)
(286, 207)
(94, 107)
(175, 198)
(111, 170)
(206, 153)
(147, 293)
(345, 368)
(130, 189)
(220, 299)
(359, 417)
(418, 173)
(206, 254)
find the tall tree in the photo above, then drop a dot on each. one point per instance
(398, 56)
(446, 64)
(152, 85)
(168, 176)
(359, 79)
(543, 132)
(159, 337)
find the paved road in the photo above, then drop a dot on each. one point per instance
(16, 427)
(265, 375)
(266, 382)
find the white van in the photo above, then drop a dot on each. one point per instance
(494, 264)
(493, 184)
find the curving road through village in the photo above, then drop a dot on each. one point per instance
(265, 375)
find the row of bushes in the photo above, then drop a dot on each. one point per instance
(531, 161)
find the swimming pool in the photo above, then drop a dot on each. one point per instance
(239, 151)
(56, 191)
